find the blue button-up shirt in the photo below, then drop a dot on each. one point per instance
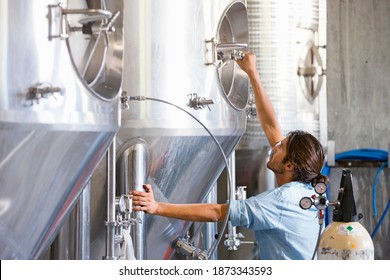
(282, 229)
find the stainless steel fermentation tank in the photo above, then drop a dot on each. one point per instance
(284, 36)
(60, 75)
(180, 60)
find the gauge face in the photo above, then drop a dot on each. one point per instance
(305, 203)
(320, 188)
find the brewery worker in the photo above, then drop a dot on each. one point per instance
(282, 229)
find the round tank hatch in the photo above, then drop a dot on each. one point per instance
(232, 39)
(95, 43)
(310, 71)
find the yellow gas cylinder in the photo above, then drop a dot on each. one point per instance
(345, 241)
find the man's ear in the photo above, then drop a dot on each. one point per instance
(289, 166)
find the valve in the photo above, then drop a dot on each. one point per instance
(124, 205)
(41, 90)
(125, 101)
(251, 108)
(319, 201)
(241, 193)
(196, 102)
(233, 239)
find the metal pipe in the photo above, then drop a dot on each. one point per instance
(210, 229)
(63, 246)
(232, 168)
(110, 182)
(73, 240)
(138, 157)
(83, 244)
(231, 229)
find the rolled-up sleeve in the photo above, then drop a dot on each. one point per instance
(259, 212)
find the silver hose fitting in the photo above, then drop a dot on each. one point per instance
(185, 248)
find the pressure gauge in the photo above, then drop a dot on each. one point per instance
(320, 188)
(305, 202)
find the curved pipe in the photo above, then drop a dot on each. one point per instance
(225, 222)
(381, 219)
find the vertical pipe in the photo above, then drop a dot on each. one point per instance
(232, 167)
(73, 240)
(138, 157)
(63, 247)
(210, 229)
(84, 230)
(110, 182)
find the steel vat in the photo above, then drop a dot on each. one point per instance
(55, 124)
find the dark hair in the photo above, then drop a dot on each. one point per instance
(306, 153)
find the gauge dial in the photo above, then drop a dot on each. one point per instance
(305, 203)
(320, 188)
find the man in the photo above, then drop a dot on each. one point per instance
(282, 229)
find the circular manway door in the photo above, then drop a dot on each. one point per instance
(310, 71)
(95, 42)
(232, 38)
